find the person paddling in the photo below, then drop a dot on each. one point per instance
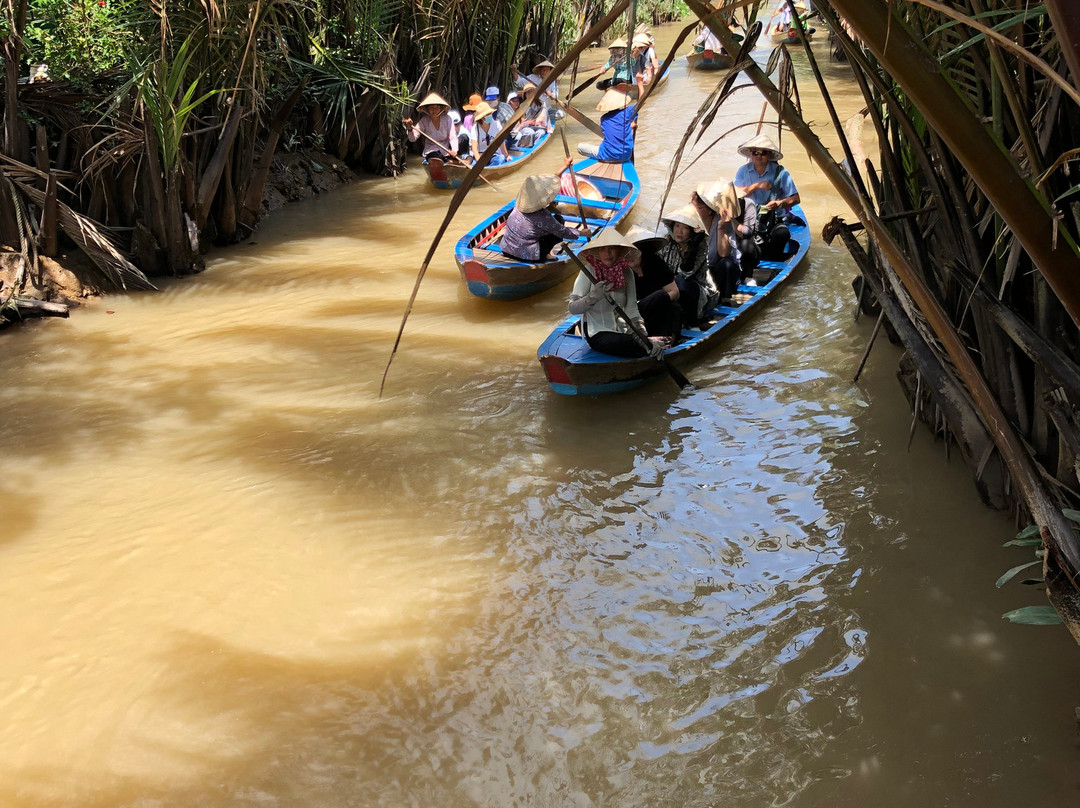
(618, 122)
(435, 126)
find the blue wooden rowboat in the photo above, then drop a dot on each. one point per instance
(574, 369)
(488, 273)
(449, 175)
(708, 60)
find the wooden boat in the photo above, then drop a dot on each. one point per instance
(447, 175)
(488, 273)
(574, 369)
(789, 34)
(659, 82)
(708, 60)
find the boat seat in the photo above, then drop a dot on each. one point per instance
(602, 204)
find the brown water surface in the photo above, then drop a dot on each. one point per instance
(230, 575)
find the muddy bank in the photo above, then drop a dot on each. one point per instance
(71, 278)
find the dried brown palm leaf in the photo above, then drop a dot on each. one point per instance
(93, 239)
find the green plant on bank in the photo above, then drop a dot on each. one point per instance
(77, 38)
(1032, 615)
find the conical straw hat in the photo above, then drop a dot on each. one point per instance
(544, 63)
(483, 109)
(431, 100)
(537, 192)
(609, 237)
(641, 41)
(641, 237)
(618, 43)
(712, 194)
(614, 99)
(763, 142)
(684, 215)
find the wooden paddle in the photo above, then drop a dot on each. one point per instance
(583, 86)
(642, 337)
(573, 179)
(581, 118)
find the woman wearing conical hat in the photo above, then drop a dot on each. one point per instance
(657, 290)
(722, 253)
(534, 227)
(624, 69)
(434, 126)
(618, 122)
(771, 187)
(609, 257)
(684, 252)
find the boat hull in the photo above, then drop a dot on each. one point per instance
(489, 274)
(452, 175)
(708, 60)
(573, 368)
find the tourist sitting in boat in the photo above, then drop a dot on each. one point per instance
(624, 68)
(608, 256)
(772, 189)
(484, 130)
(743, 212)
(722, 254)
(650, 47)
(657, 291)
(706, 40)
(618, 122)
(461, 134)
(434, 126)
(638, 49)
(504, 113)
(685, 253)
(536, 121)
(534, 227)
(469, 108)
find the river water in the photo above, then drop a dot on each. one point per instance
(231, 575)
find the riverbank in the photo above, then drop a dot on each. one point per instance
(68, 277)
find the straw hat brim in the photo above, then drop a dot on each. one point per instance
(684, 215)
(483, 109)
(618, 43)
(614, 99)
(432, 100)
(763, 143)
(610, 237)
(712, 194)
(640, 237)
(537, 192)
(544, 63)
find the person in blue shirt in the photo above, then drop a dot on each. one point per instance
(771, 187)
(618, 120)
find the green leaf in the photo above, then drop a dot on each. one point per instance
(1034, 616)
(1028, 532)
(1035, 542)
(1071, 514)
(1008, 576)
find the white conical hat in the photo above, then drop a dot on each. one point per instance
(432, 99)
(639, 236)
(609, 237)
(614, 99)
(685, 215)
(537, 192)
(618, 43)
(762, 142)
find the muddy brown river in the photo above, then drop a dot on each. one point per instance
(231, 575)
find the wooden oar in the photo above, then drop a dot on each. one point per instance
(452, 156)
(573, 179)
(642, 337)
(583, 86)
(589, 36)
(581, 118)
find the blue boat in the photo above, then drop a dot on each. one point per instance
(449, 175)
(608, 190)
(574, 369)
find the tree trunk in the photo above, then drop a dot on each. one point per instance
(249, 211)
